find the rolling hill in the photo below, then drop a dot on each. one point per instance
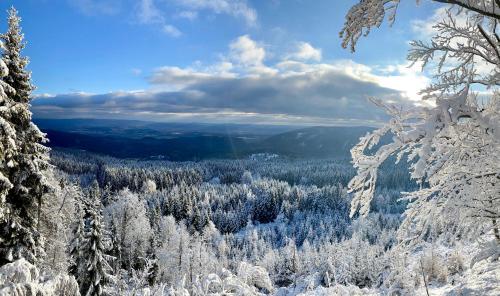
(180, 142)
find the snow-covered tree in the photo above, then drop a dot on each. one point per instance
(95, 272)
(19, 78)
(453, 144)
(7, 150)
(149, 186)
(247, 178)
(152, 268)
(25, 157)
(255, 276)
(23, 278)
(56, 221)
(128, 219)
(76, 266)
(368, 14)
(465, 49)
(287, 265)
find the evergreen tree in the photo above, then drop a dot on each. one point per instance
(115, 250)
(96, 273)
(24, 157)
(75, 247)
(19, 78)
(288, 265)
(152, 268)
(7, 152)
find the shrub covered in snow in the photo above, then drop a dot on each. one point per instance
(21, 278)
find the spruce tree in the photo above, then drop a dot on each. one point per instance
(26, 158)
(18, 77)
(115, 250)
(152, 267)
(96, 272)
(75, 247)
(7, 145)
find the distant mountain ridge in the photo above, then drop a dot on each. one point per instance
(315, 142)
(182, 142)
(139, 129)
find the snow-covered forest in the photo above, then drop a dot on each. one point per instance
(415, 211)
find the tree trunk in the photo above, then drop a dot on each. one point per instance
(423, 275)
(39, 213)
(496, 232)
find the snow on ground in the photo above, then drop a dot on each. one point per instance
(337, 290)
(22, 278)
(482, 280)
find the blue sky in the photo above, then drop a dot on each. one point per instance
(214, 60)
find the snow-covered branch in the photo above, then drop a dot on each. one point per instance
(453, 151)
(367, 14)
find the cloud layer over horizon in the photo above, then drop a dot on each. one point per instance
(298, 89)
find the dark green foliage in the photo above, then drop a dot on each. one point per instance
(90, 263)
(152, 268)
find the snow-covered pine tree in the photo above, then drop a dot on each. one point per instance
(115, 249)
(19, 78)
(8, 149)
(26, 158)
(97, 271)
(152, 268)
(75, 247)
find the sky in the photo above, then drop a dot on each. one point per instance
(238, 61)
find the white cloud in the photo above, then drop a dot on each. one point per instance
(172, 31)
(247, 52)
(248, 56)
(242, 86)
(246, 59)
(235, 8)
(306, 52)
(154, 12)
(187, 14)
(325, 95)
(425, 28)
(148, 13)
(408, 79)
(178, 78)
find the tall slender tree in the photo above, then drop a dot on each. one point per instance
(96, 271)
(7, 145)
(18, 77)
(75, 267)
(26, 160)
